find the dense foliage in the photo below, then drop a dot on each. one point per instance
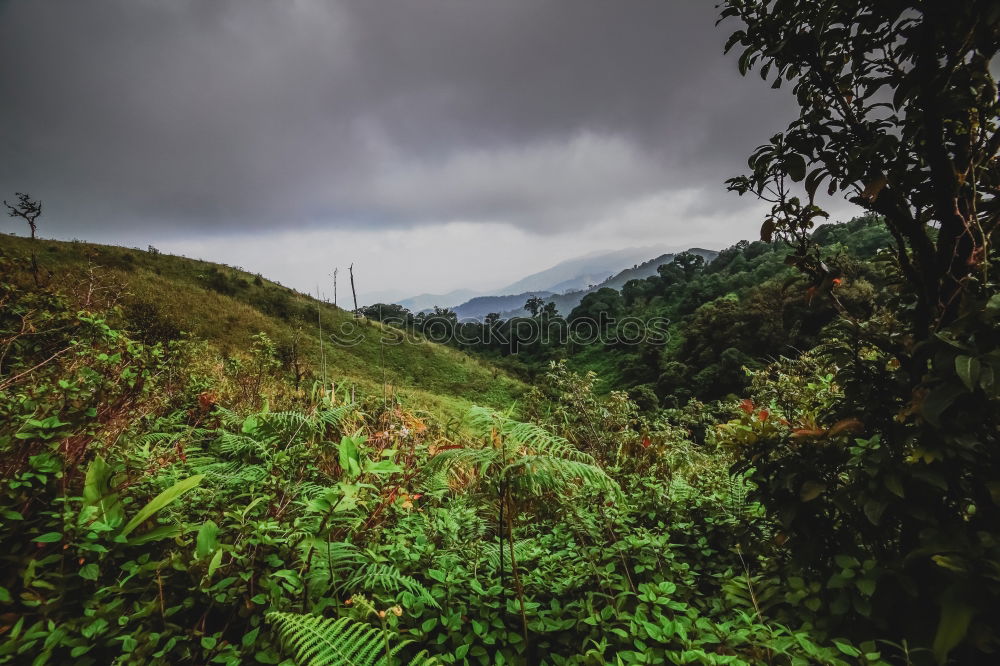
(804, 469)
(709, 321)
(162, 507)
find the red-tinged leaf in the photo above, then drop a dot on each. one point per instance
(846, 425)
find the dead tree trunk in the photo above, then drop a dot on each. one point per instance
(353, 292)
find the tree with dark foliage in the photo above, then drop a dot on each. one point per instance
(899, 112)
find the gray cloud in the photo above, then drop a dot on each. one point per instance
(239, 115)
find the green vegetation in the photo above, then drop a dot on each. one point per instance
(157, 510)
(806, 471)
(160, 296)
(744, 307)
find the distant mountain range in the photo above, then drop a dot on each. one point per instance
(570, 275)
(513, 305)
(565, 284)
(429, 301)
(581, 272)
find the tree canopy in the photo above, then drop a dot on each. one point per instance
(899, 113)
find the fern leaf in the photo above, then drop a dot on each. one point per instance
(336, 416)
(539, 473)
(318, 641)
(390, 579)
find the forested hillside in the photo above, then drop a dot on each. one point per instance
(744, 307)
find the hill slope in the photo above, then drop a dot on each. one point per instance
(226, 306)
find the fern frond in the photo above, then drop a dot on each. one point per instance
(390, 579)
(535, 439)
(437, 481)
(228, 418)
(736, 496)
(332, 555)
(329, 561)
(151, 438)
(312, 640)
(525, 550)
(229, 473)
(457, 523)
(458, 461)
(335, 416)
(290, 424)
(309, 490)
(241, 446)
(752, 592)
(680, 490)
(540, 473)
(528, 436)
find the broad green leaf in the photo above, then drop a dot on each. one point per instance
(967, 368)
(349, 457)
(894, 485)
(986, 379)
(216, 562)
(874, 509)
(795, 166)
(382, 467)
(160, 501)
(97, 492)
(952, 627)
(846, 561)
(866, 585)
(250, 637)
(155, 534)
(847, 649)
(938, 400)
(207, 541)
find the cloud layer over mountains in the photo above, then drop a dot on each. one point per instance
(192, 122)
(253, 113)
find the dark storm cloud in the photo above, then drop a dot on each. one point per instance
(244, 114)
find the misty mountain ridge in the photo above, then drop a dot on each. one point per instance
(578, 273)
(429, 301)
(512, 305)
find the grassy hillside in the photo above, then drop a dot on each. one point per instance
(163, 295)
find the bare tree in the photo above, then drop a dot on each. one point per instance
(353, 292)
(27, 209)
(335, 287)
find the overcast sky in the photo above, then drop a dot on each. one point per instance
(437, 144)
